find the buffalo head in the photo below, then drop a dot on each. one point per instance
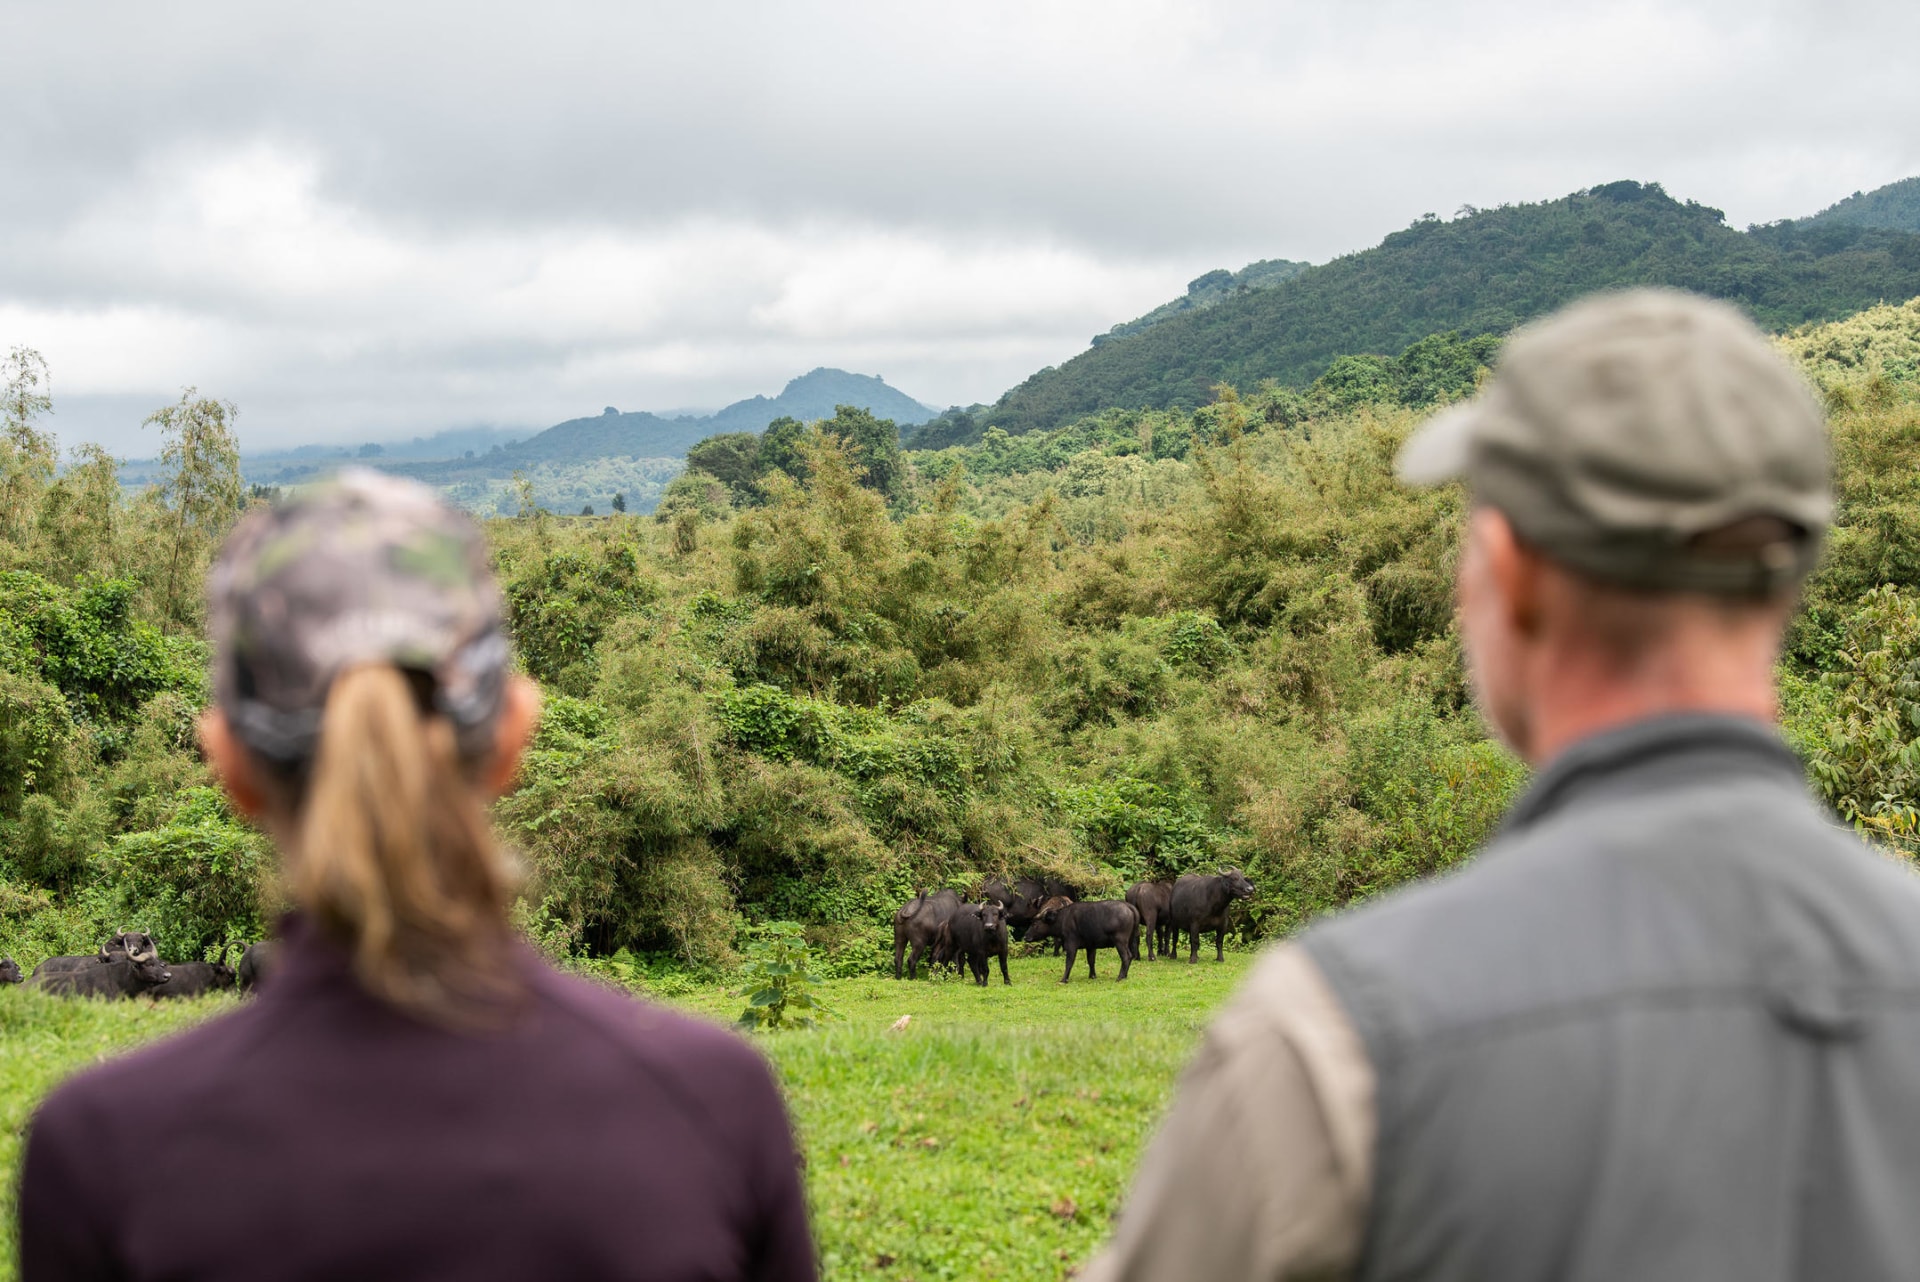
(150, 968)
(1046, 922)
(10, 971)
(129, 945)
(1237, 884)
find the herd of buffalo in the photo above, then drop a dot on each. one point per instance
(129, 965)
(944, 929)
(940, 928)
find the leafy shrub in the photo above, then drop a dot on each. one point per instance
(198, 884)
(558, 606)
(1867, 757)
(779, 991)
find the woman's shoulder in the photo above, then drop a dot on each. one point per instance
(640, 1025)
(693, 1055)
(145, 1082)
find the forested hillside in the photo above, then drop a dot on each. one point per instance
(1210, 290)
(1482, 273)
(1142, 643)
(1895, 206)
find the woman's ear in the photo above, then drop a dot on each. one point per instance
(519, 718)
(231, 764)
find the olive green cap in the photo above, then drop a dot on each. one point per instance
(1617, 432)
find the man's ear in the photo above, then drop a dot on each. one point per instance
(519, 718)
(1515, 568)
(231, 765)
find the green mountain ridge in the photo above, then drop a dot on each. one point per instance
(1210, 290)
(1895, 206)
(1483, 273)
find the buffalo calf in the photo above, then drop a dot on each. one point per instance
(10, 971)
(1091, 924)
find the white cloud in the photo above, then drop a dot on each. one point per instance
(251, 282)
(359, 219)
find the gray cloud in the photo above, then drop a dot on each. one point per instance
(359, 219)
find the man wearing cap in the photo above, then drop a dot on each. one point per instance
(1667, 1025)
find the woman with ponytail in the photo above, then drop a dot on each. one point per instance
(415, 1094)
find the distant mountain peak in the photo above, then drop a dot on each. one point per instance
(815, 395)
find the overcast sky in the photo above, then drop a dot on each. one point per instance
(372, 220)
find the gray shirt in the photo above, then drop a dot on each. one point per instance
(1673, 1012)
(1262, 1167)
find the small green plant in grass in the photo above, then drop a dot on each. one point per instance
(779, 991)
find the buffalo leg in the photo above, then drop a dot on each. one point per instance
(1126, 948)
(1220, 943)
(1193, 945)
(913, 961)
(1068, 976)
(1004, 981)
(899, 951)
(1091, 950)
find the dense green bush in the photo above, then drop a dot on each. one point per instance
(195, 883)
(1147, 643)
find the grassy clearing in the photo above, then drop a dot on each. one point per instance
(993, 1137)
(43, 1040)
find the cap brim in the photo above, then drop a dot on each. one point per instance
(1439, 448)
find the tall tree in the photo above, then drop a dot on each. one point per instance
(27, 455)
(200, 491)
(876, 447)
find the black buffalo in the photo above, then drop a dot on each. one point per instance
(128, 945)
(1021, 900)
(10, 971)
(193, 979)
(1153, 900)
(974, 935)
(1090, 924)
(256, 963)
(134, 945)
(917, 923)
(127, 978)
(1202, 903)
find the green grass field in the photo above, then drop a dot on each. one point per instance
(993, 1137)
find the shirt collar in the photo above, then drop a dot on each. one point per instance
(1676, 745)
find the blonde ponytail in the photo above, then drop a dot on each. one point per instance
(395, 857)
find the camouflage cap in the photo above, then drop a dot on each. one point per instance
(1624, 434)
(365, 568)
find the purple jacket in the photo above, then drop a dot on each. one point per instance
(319, 1134)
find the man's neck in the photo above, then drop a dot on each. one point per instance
(1577, 697)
